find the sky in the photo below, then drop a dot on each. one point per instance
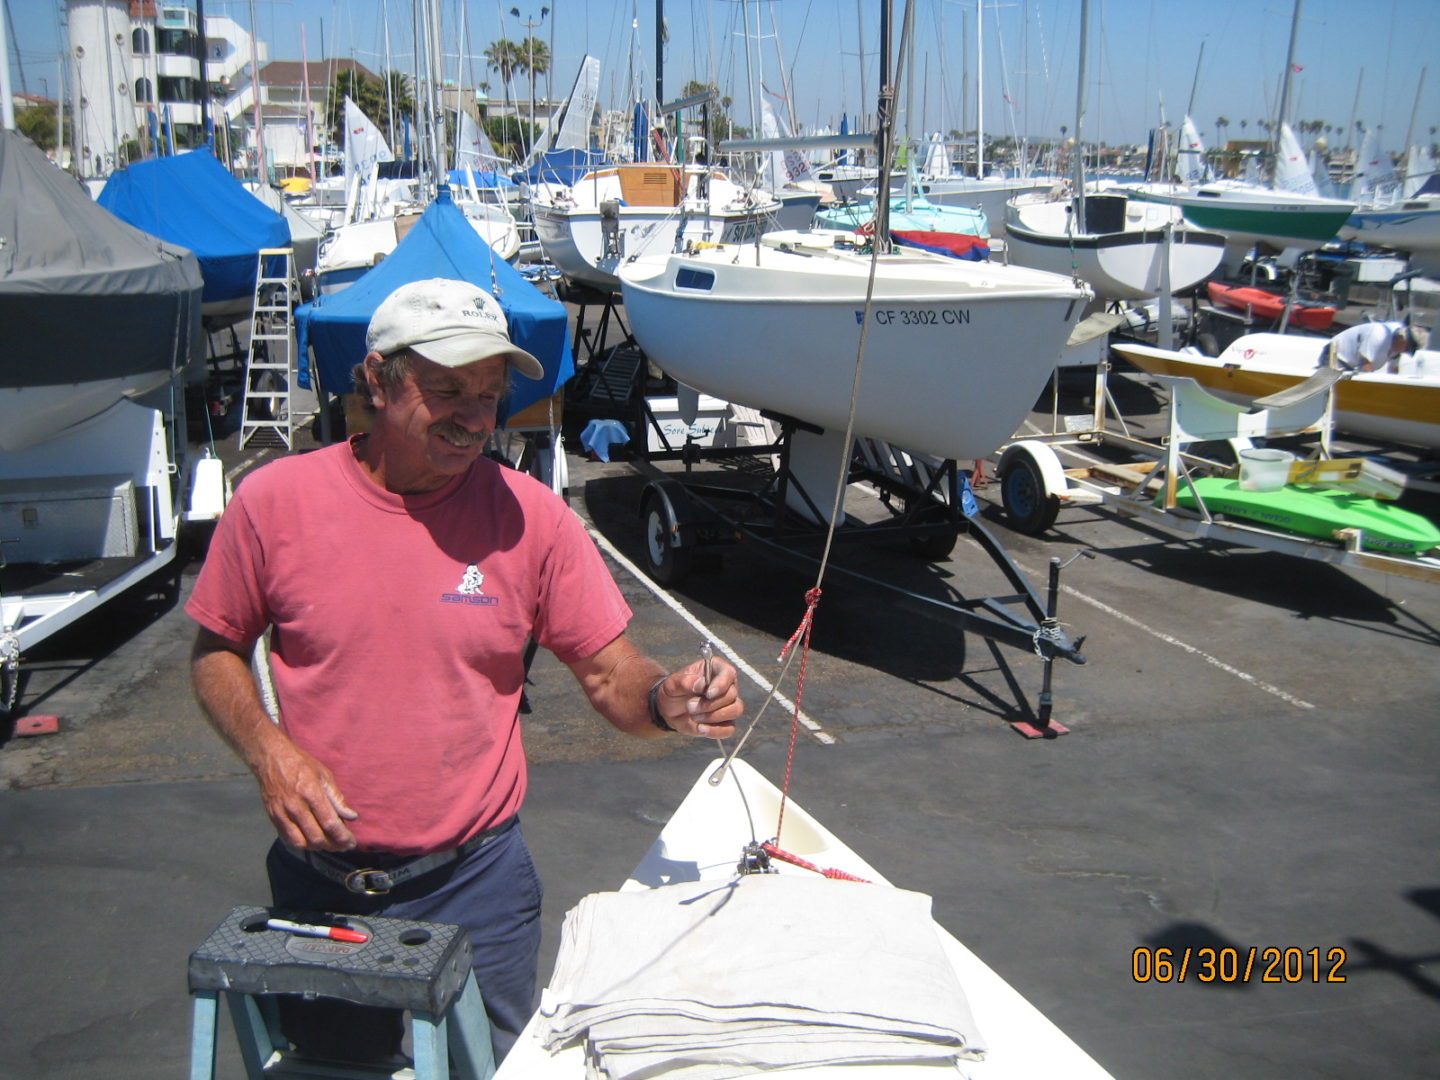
(1147, 59)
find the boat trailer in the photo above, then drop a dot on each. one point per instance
(1035, 484)
(927, 503)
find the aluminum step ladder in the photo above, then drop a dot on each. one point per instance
(267, 412)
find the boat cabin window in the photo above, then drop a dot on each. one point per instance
(688, 278)
(1104, 213)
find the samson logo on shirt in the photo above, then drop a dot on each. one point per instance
(469, 591)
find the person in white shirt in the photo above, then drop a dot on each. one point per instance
(1372, 346)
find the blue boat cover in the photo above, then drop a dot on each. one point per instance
(190, 200)
(484, 178)
(564, 166)
(441, 244)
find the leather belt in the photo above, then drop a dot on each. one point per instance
(373, 881)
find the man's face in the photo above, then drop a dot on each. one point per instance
(441, 417)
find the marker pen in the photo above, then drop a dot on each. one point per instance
(334, 933)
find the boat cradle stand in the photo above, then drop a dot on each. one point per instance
(930, 505)
(421, 967)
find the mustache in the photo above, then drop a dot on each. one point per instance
(459, 436)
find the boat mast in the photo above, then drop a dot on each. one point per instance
(1410, 131)
(884, 134)
(980, 89)
(1078, 156)
(7, 103)
(1284, 113)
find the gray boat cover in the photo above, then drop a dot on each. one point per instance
(83, 296)
(714, 979)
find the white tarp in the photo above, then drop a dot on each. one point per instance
(713, 980)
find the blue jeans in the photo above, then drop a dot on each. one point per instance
(494, 892)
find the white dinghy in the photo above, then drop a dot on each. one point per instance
(697, 854)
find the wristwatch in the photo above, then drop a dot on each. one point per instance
(655, 717)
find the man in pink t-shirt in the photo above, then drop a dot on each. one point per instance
(401, 576)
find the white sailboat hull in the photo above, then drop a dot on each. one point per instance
(1411, 225)
(955, 353)
(576, 240)
(624, 211)
(1125, 264)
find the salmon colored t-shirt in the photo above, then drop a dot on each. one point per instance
(400, 626)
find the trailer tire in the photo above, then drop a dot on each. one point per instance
(935, 547)
(9, 690)
(666, 563)
(1030, 508)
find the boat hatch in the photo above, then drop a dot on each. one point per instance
(689, 278)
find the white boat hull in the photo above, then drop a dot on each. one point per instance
(1412, 225)
(576, 240)
(623, 211)
(704, 840)
(1126, 264)
(955, 353)
(1388, 407)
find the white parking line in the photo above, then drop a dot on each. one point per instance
(240, 469)
(815, 729)
(1170, 639)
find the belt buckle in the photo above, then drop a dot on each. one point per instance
(358, 881)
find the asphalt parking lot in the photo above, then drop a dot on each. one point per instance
(1250, 765)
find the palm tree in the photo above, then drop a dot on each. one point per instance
(1221, 123)
(503, 56)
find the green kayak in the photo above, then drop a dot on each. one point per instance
(1320, 512)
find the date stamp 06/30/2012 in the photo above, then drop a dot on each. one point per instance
(1256, 963)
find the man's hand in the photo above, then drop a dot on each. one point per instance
(299, 792)
(303, 800)
(693, 706)
(618, 680)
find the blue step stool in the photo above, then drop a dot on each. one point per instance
(420, 967)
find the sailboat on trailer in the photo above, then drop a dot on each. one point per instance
(955, 352)
(617, 211)
(1125, 248)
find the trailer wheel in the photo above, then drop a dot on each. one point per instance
(664, 562)
(1030, 508)
(9, 688)
(935, 547)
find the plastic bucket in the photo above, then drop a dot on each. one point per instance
(1264, 469)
